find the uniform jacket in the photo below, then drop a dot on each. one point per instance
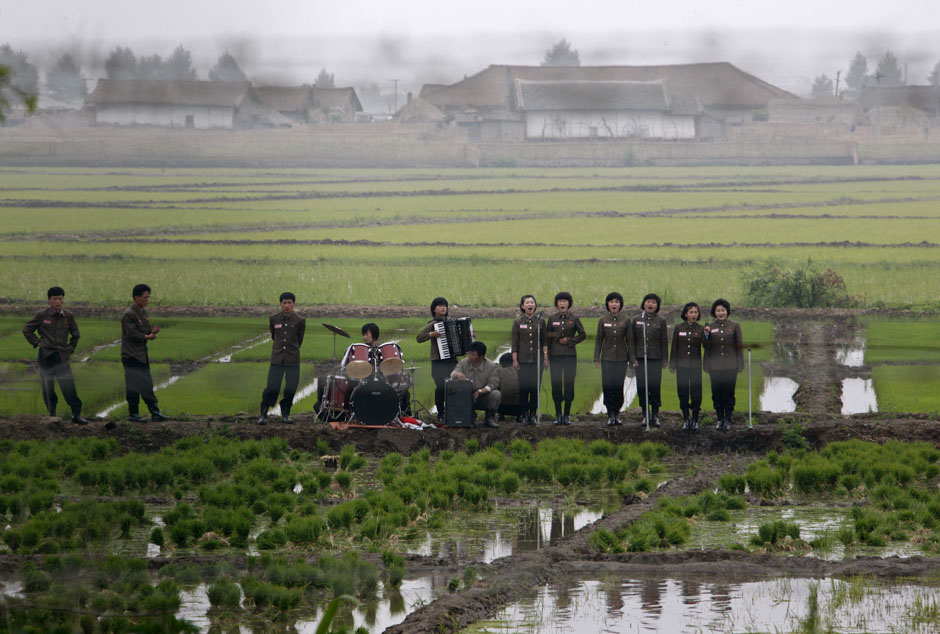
(560, 326)
(425, 335)
(58, 332)
(724, 347)
(509, 385)
(687, 341)
(287, 334)
(611, 342)
(135, 326)
(525, 338)
(484, 374)
(657, 337)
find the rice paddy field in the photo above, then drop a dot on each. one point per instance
(822, 517)
(400, 237)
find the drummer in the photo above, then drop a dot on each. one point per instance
(400, 381)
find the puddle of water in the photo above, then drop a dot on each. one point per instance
(672, 605)
(11, 589)
(858, 396)
(853, 355)
(778, 394)
(159, 386)
(194, 606)
(629, 393)
(484, 539)
(814, 522)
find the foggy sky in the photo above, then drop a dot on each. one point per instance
(420, 41)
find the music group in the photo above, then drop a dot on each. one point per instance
(639, 342)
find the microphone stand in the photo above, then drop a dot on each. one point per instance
(538, 365)
(646, 374)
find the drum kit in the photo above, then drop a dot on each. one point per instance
(371, 384)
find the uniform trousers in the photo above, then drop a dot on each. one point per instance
(723, 382)
(563, 369)
(528, 387)
(291, 376)
(138, 385)
(689, 387)
(613, 374)
(51, 369)
(440, 372)
(654, 373)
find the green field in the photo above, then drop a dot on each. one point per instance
(479, 237)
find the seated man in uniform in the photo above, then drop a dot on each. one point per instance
(484, 375)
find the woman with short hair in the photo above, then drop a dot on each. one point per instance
(649, 343)
(527, 339)
(724, 359)
(612, 354)
(685, 361)
(563, 332)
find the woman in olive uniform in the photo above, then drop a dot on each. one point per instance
(650, 356)
(611, 355)
(563, 332)
(724, 359)
(685, 362)
(528, 334)
(440, 368)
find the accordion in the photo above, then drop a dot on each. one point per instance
(456, 337)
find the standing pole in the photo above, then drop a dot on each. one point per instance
(538, 365)
(750, 420)
(646, 375)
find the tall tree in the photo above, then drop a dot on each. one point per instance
(934, 77)
(9, 90)
(822, 88)
(22, 75)
(325, 80)
(889, 71)
(858, 73)
(561, 54)
(121, 63)
(152, 67)
(226, 69)
(65, 81)
(179, 65)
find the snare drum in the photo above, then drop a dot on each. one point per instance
(357, 362)
(391, 358)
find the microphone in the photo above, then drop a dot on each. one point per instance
(539, 316)
(644, 314)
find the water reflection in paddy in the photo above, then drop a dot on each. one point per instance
(485, 538)
(858, 396)
(672, 605)
(853, 355)
(778, 394)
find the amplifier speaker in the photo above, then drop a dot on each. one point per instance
(458, 403)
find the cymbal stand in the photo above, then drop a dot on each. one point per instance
(417, 407)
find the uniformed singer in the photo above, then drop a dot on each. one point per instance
(685, 361)
(527, 337)
(563, 331)
(287, 335)
(724, 359)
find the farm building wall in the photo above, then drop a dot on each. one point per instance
(586, 124)
(168, 116)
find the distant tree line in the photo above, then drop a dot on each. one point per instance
(887, 73)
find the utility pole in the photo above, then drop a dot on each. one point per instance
(836, 94)
(396, 92)
(878, 77)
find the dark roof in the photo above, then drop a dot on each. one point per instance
(717, 84)
(327, 98)
(922, 97)
(591, 95)
(172, 92)
(286, 98)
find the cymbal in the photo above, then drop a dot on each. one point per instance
(337, 330)
(414, 367)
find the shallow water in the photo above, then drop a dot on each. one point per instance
(858, 396)
(778, 394)
(852, 356)
(629, 393)
(482, 539)
(672, 605)
(159, 386)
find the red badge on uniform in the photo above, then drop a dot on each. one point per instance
(47, 321)
(278, 325)
(523, 326)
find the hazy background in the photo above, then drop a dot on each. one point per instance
(419, 41)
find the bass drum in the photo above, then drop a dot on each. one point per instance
(374, 403)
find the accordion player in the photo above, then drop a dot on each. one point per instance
(456, 337)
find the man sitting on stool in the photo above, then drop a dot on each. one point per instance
(484, 375)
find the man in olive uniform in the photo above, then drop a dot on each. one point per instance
(484, 375)
(287, 335)
(136, 331)
(58, 336)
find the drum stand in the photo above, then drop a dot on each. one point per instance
(417, 407)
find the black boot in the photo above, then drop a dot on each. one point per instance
(489, 420)
(136, 418)
(567, 420)
(285, 415)
(157, 417)
(728, 418)
(534, 418)
(617, 419)
(655, 415)
(687, 424)
(264, 415)
(720, 417)
(695, 420)
(610, 420)
(559, 418)
(78, 419)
